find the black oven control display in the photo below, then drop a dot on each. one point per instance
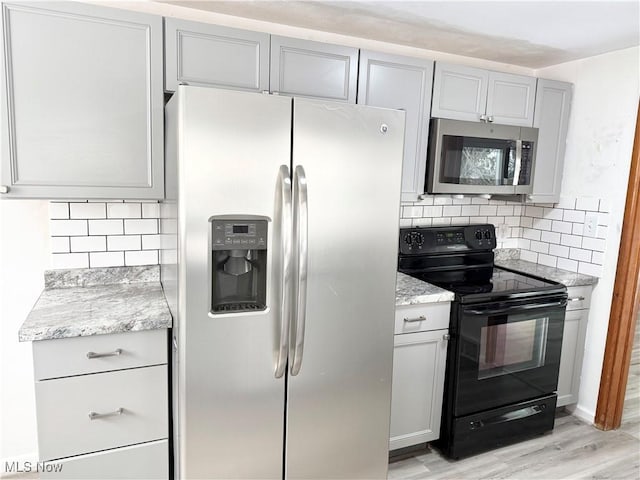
(425, 240)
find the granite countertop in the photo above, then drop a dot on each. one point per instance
(569, 279)
(411, 291)
(82, 302)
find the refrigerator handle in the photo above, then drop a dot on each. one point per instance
(301, 239)
(285, 218)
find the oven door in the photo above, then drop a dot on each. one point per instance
(507, 352)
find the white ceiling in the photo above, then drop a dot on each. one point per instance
(533, 34)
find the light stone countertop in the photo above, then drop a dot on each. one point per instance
(76, 311)
(569, 279)
(411, 291)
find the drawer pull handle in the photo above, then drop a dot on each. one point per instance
(421, 318)
(115, 353)
(575, 299)
(94, 415)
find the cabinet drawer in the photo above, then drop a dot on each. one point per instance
(149, 461)
(409, 318)
(71, 356)
(579, 297)
(64, 405)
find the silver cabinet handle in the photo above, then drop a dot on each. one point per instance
(4, 189)
(421, 318)
(283, 211)
(575, 299)
(115, 353)
(301, 218)
(94, 415)
(490, 119)
(483, 118)
(446, 337)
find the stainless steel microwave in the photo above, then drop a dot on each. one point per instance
(480, 158)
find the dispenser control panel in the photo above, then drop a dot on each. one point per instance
(238, 234)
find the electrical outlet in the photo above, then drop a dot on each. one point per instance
(590, 224)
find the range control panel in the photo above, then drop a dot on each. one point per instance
(428, 240)
(228, 234)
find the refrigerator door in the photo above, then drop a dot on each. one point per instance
(231, 148)
(339, 392)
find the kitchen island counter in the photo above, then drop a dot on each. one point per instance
(411, 291)
(565, 277)
(110, 300)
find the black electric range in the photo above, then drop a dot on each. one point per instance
(505, 338)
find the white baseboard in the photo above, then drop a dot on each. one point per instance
(582, 413)
(20, 462)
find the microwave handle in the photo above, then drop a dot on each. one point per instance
(518, 167)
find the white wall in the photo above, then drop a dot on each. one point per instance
(597, 161)
(24, 255)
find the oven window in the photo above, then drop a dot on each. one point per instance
(507, 348)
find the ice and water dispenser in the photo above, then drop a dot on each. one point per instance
(238, 264)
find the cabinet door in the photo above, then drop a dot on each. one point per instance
(82, 102)
(419, 361)
(402, 83)
(553, 105)
(214, 56)
(510, 99)
(459, 92)
(573, 337)
(312, 69)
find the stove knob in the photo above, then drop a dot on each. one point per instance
(407, 239)
(487, 234)
(419, 239)
(479, 235)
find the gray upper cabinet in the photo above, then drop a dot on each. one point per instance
(553, 105)
(313, 69)
(82, 102)
(213, 56)
(474, 94)
(403, 83)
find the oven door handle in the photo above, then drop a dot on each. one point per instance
(515, 309)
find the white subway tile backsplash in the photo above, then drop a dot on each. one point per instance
(517, 210)
(124, 210)
(425, 200)
(530, 211)
(561, 227)
(58, 210)
(460, 221)
(438, 221)
(479, 201)
(461, 201)
(59, 244)
(526, 222)
(603, 219)
(547, 260)
(567, 202)
(142, 257)
(596, 244)
(89, 244)
(587, 203)
(470, 210)
(566, 264)
(150, 210)
(524, 244)
(442, 200)
(151, 242)
(405, 222)
(451, 210)
(432, 212)
(542, 224)
(559, 251)
(105, 227)
(123, 242)
(589, 269)
(540, 247)
(531, 234)
(577, 228)
(412, 212)
(597, 258)
(576, 216)
(580, 254)
(512, 221)
(552, 213)
(529, 256)
(147, 225)
(550, 237)
(65, 228)
(604, 205)
(106, 259)
(488, 210)
(478, 219)
(69, 260)
(505, 210)
(421, 222)
(87, 210)
(571, 240)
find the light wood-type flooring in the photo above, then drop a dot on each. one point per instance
(573, 450)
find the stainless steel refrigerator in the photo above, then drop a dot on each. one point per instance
(279, 263)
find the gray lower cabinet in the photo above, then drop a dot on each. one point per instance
(573, 338)
(102, 405)
(213, 56)
(419, 361)
(304, 68)
(553, 106)
(475, 94)
(82, 102)
(403, 83)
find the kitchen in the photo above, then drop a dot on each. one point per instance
(600, 129)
